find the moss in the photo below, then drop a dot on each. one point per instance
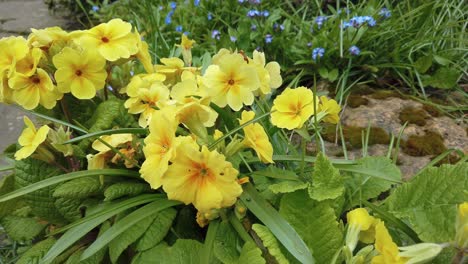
(355, 101)
(432, 110)
(412, 115)
(431, 143)
(384, 94)
(353, 135)
(363, 90)
(450, 159)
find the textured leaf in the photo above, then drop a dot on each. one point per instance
(287, 186)
(42, 202)
(364, 187)
(7, 184)
(21, 228)
(157, 230)
(327, 182)
(444, 78)
(78, 188)
(428, 202)
(251, 254)
(121, 189)
(423, 63)
(226, 244)
(184, 251)
(69, 208)
(315, 222)
(36, 252)
(121, 242)
(270, 242)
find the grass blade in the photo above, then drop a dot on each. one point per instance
(207, 252)
(109, 132)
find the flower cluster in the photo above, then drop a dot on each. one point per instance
(256, 13)
(359, 21)
(317, 53)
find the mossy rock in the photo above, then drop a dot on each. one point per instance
(432, 110)
(431, 143)
(413, 115)
(353, 135)
(384, 94)
(355, 101)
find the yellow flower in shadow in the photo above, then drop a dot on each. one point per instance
(28, 65)
(12, 49)
(331, 108)
(269, 74)
(292, 108)
(203, 178)
(80, 72)
(99, 160)
(389, 253)
(143, 54)
(256, 138)
(30, 139)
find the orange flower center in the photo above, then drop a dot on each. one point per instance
(231, 82)
(105, 39)
(78, 72)
(35, 80)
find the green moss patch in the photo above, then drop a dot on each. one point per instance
(412, 115)
(355, 101)
(431, 143)
(353, 135)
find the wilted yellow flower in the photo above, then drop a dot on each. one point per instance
(99, 160)
(159, 147)
(331, 108)
(389, 253)
(82, 73)
(269, 74)
(30, 91)
(30, 139)
(232, 82)
(113, 40)
(203, 178)
(256, 138)
(292, 108)
(12, 49)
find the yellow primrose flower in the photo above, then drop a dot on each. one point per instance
(44, 38)
(173, 68)
(361, 226)
(28, 64)
(256, 138)
(218, 57)
(159, 147)
(99, 160)
(30, 91)
(461, 237)
(143, 54)
(5, 90)
(30, 139)
(82, 73)
(269, 74)
(331, 108)
(12, 49)
(203, 178)
(292, 108)
(113, 40)
(232, 82)
(186, 44)
(389, 253)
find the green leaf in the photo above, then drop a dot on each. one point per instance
(327, 182)
(226, 243)
(126, 223)
(323, 72)
(428, 202)
(333, 75)
(287, 186)
(69, 208)
(157, 230)
(121, 242)
(443, 78)
(315, 222)
(78, 188)
(441, 60)
(277, 224)
(251, 254)
(270, 242)
(363, 186)
(21, 228)
(7, 184)
(50, 181)
(122, 189)
(207, 255)
(184, 251)
(423, 63)
(277, 173)
(35, 253)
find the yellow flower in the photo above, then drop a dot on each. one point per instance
(331, 108)
(186, 44)
(43, 38)
(28, 64)
(292, 108)
(159, 147)
(461, 237)
(257, 138)
(172, 68)
(5, 90)
(12, 49)
(389, 253)
(99, 160)
(143, 54)
(30, 91)
(203, 178)
(113, 40)
(269, 75)
(82, 73)
(364, 224)
(232, 82)
(30, 139)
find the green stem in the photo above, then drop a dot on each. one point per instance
(237, 225)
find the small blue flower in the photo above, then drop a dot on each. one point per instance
(358, 21)
(268, 38)
(132, 73)
(233, 38)
(178, 28)
(309, 44)
(173, 5)
(354, 50)
(371, 21)
(196, 2)
(160, 8)
(320, 20)
(253, 27)
(265, 13)
(317, 52)
(241, 1)
(346, 25)
(168, 19)
(252, 13)
(209, 16)
(186, 33)
(255, 2)
(385, 13)
(215, 34)
(95, 8)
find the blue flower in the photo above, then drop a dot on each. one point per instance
(252, 13)
(233, 38)
(178, 28)
(253, 27)
(317, 52)
(385, 13)
(354, 50)
(160, 8)
(215, 34)
(255, 2)
(309, 44)
(358, 21)
(196, 2)
(132, 73)
(173, 5)
(241, 1)
(371, 21)
(265, 13)
(209, 16)
(320, 20)
(268, 38)
(277, 26)
(186, 33)
(95, 8)
(168, 19)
